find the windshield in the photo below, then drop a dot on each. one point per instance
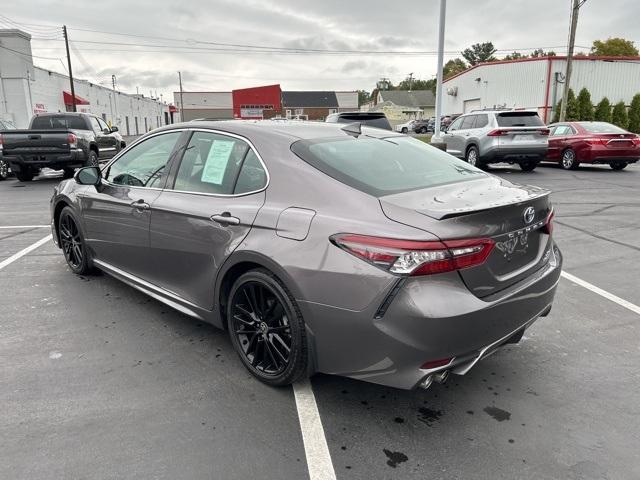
(601, 127)
(384, 166)
(519, 119)
(58, 122)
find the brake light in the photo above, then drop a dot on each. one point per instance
(548, 224)
(413, 258)
(497, 133)
(636, 140)
(596, 141)
(72, 140)
(544, 131)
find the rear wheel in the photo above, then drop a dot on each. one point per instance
(25, 175)
(92, 159)
(267, 329)
(404, 130)
(4, 169)
(68, 172)
(473, 157)
(618, 165)
(569, 161)
(73, 244)
(528, 166)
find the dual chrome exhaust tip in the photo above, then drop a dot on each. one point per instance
(439, 377)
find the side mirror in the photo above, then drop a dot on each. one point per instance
(88, 176)
(114, 129)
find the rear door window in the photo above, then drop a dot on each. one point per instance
(518, 119)
(384, 166)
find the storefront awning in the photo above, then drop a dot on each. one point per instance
(68, 99)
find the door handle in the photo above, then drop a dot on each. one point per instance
(225, 218)
(140, 205)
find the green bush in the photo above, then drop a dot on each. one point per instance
(572, 109)
(619, 115)
(603, 111)
(585, 107)
(634, 114)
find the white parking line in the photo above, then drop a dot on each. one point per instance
(315, 444)
(24, 251)
(603, 293)
(16, 227)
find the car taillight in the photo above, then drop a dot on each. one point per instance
(636, 140)
(548, 224)
(410, 257)
(544, 131)
(596, 141)
(497, 133)
(72, 140)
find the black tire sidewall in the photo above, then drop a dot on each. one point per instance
(86, 266)
(92, 159)
(299, 348)
(25, 175)
(618, 165)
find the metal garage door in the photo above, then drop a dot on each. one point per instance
(473, 104)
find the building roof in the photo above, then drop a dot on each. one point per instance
(309, 99)
(406, 98)
(554, 57)
(347, 100)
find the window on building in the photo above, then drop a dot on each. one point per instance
(299, 111)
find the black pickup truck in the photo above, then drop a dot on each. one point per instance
(60, 141)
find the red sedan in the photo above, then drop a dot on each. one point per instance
(573, 143)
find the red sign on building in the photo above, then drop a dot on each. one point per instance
(257, 102)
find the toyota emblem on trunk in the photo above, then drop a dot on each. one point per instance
(528, 215)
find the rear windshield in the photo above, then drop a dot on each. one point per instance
(601, 127)
(384, 166)
(518, 119)
(377, 122)
(52, 122)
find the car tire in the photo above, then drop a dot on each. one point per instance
(473, 157)
(569, 160)
(4, 169)
(404, 130)
(25, 175)
(267, 329)
(68, 172)
(618, 165)
(73, 244)
(528, 166)
(92, 159)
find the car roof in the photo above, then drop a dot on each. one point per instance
(292, 129)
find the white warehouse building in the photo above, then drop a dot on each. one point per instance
(537, 83)
(26, 89)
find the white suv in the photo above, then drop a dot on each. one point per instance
(493, 136)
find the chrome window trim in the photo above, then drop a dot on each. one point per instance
(191, 129)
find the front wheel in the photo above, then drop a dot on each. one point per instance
(4, 169)
(73, 244)
(528, 166)
(618, 165)
(267, 329)
(404, 130)
(569, 160)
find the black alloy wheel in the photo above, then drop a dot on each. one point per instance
(72, 243)
(266, 328)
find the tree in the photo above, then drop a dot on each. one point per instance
(603, 111)
(479, 52)
(417, 84)
(514, 56)
(571, 115)
(585, 107)
(634, 114)
(619, 115)
(453, 67)
(614, 47)
(363, 97)
(538, 52)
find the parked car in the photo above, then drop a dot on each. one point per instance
(371, 119)
(405, 127)
(5, 171)
(493, 136)
(423, 125)
(319, 247)
(573, 143)
(60, 141)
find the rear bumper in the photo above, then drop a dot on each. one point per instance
(429, 319)
(603, 154)
(74, 158)
(514, 154)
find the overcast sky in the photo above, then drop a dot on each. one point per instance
(183, 27)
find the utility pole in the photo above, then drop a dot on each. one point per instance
(181, 102)
(436, 140)
(410, 80)
(115, 95)
(572, 40)
(73, 90)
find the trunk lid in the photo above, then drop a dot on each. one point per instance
(35, 142)
(488, 207)
(614, 141)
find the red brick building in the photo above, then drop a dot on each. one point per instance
(257, 102)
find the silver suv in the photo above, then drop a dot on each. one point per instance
(493, 136)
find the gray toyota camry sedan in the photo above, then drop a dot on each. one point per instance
(319, 247)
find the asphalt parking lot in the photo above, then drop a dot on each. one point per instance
(100, 381)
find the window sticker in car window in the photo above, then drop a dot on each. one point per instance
(217, 160)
